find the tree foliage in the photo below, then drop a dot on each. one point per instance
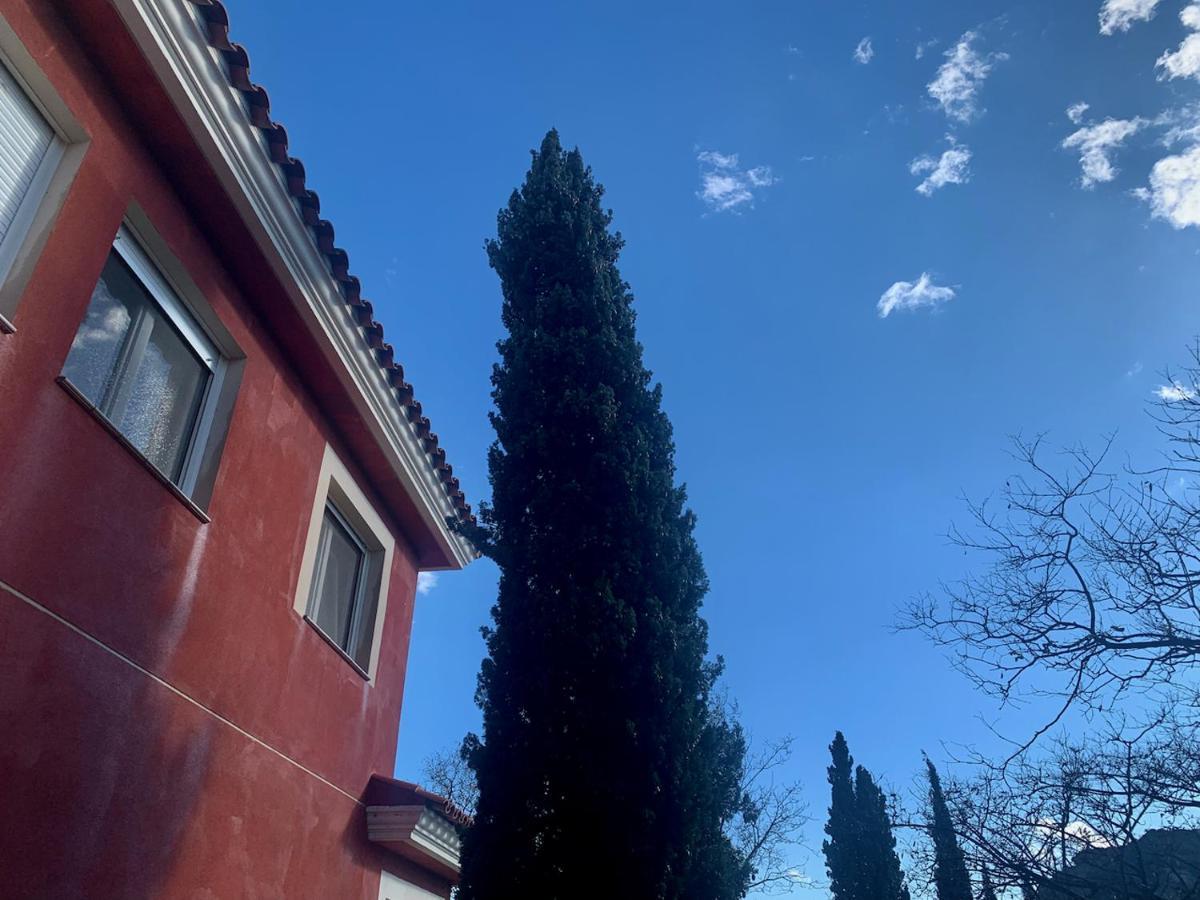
(860, 849)
(841, 844)
(882, 876)
(949, 867)
(603, 767)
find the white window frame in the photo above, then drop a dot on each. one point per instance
(337, 488)
(30, 227)
(393, 887)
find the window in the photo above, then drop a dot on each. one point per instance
(142, 360)
(345, 586)
(29, 150)
(41, 148)
(342, 588)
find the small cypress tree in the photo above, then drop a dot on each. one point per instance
(841, 846)
(604, 768)
(883, 878)
(949, 867)
(860, 852)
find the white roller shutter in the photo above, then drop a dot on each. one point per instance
(25, 139)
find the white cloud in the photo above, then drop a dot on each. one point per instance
(1180, 487)
(1174, 392)
(724, 185)
(1119, 15)
(718, 160)
(952, 167)
(1182, 125)
(924, 47)
(105, 323)
(1050, 833)
(1088, 835)
(1096, 145)
(797, 876)
(1135, 369)
(864, 52)
(426, 582)
(957, 83)
(1174, 192)
(907, 295)
(1076, 110)
(1184, 62)
(760, 176)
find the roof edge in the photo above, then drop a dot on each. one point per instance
(414, 823)
(206, 78)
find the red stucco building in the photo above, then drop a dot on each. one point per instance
(216, 489)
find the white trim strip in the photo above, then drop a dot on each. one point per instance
(336, 486)
(174, 690)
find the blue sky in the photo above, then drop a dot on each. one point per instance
(783, 172)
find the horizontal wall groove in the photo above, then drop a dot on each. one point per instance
(38, 607)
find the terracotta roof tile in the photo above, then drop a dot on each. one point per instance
(258, 111)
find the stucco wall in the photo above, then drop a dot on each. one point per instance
(170, 726)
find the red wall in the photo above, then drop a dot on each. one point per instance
(164, 711)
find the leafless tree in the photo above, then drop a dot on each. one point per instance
(1089, 600)
(447, 773)
(1028, 820)
(774, 813)
(1091, 594)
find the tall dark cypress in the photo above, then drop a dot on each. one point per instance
(604, 769)
(860, 852)
(949, 867)
(841, 844)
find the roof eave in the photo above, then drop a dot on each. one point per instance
(169, 34)
(420, 834)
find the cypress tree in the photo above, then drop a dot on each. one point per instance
(860, 852)
(949, 867)
(604, 767)
(841, 845)
(882, 878)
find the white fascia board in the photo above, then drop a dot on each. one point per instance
(425, 830)
(194, 76)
